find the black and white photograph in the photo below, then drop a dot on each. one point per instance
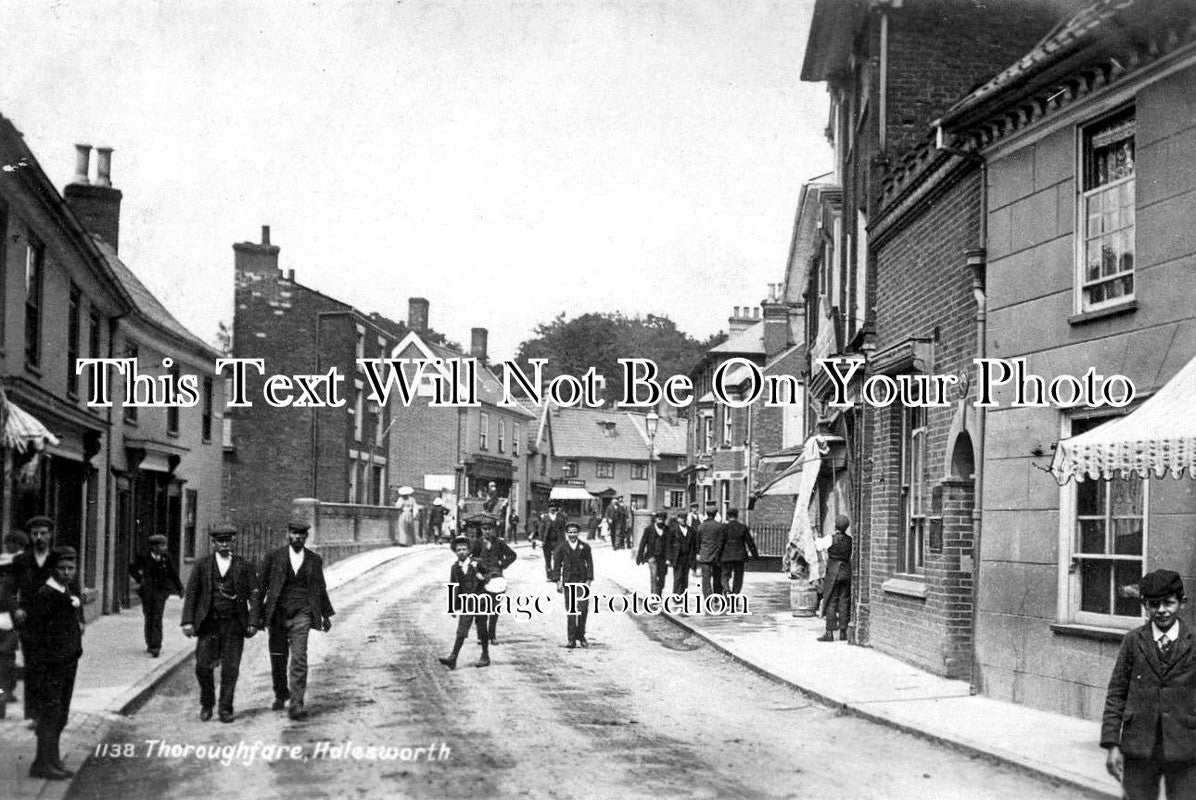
(597, 399)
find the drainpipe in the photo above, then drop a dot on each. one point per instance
(882, 106)
(315, 419)
(109, 506)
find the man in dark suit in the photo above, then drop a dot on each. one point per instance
(32, 569)
(54, 620)
(156, 580)
(680, 548)
(651, 551)
(711, 536)
(736, 546)
(836, 583)
(294, 601)
(493, 555)
(574, 564)
(220, 606)
(1148, 709)
(469, 578)
(552, 533)
(616, 518)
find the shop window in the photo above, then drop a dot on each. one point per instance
(639, 502)
(1106, 210)
(35, 257)
(190, 516)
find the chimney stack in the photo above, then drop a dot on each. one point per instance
(477, 345)
(740, 319)
(265, 236)
(96, 205)
(417, 314)
(776, 322)
(258, 259)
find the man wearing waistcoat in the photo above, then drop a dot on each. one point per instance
(219, 608)
(294, 602)
(836, 584)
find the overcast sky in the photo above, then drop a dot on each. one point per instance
(506, 160)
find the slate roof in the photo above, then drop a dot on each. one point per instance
(148, 305)
(748, 341)
(489, 386)
(581, 433)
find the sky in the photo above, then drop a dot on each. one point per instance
(506, 160)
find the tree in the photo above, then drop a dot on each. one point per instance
(223, 339)
(599, 340)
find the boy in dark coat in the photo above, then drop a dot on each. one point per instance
(574, 563)
(220, 607)
(493, 555)
(54, 623)
(1152, 694)
(156, 579)
(836, 584)
(467, 575)
(32, 569)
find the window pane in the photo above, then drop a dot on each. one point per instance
(1090, 498)
(1094, 586)
(1127, 537)
(1127, 497)
(1128, 573)
(1092, 536)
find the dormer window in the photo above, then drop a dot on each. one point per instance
(608, 429)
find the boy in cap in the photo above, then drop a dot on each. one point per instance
(219, 607)
(493, 556)
(574, 563)
(156, 580)
(469, 578)
(55, 642)
(294, 602)
(1152, 694)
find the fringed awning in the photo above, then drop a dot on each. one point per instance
(22, 430)
(1156, 438)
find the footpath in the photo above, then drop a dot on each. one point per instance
(866, 683)
(116, 676)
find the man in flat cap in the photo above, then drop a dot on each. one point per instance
(55, 642)
(294, 601)
(156, 580)
(32, 569)
(651, 551)
(1152, 694)
(219, 607)
(574, 563)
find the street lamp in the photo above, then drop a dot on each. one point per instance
(699, 478)
(651, 423)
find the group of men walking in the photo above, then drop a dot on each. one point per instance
(719, 548)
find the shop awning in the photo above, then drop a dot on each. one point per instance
(22, 430)
(569, 493)
(788, 480)
(1157, 437)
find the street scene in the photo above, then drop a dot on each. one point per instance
(599, 400)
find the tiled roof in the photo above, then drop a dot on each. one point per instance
(583, 433)
(749, 341)
(149, 306)
(489, 386)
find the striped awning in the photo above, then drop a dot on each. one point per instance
(1156, 438)
(22, 430)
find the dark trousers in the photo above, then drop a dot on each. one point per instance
(548, 559)
(838, 606)
(8, 673)
(435, 530)
(712, 578)
(221, 639)
(288, 638)
(733, 577)
(575, 624)
(680, 579)
(1142, 777)
(153, 606)
(33, 672)
(656, 573)
(464, 623)
(56, 687)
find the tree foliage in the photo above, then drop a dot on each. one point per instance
(572, 346)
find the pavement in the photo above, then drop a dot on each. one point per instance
(116, 676)
(869, 684)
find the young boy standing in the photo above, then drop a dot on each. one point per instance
(469, 578)
(1152, 698)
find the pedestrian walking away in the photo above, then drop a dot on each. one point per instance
(1146, 727)
(493, 555)
(737, 545)
(294, 602)
(436, 520)
(836, 584)
(55, 642)
(156, 579)
(651, 551)
(680, 549)
(219, 607)
(552, 533)
(574, 565)
(467, 575)
(711, 536)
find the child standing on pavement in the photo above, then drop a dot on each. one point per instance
(1152, 698)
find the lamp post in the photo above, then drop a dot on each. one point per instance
(651, 422)
(700, 478)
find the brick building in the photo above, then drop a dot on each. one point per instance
(892, 292)
(1086, 139)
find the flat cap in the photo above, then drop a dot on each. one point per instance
(661, 515)
(222, 533)
(64, 553)
(572, 526)
(39, 520)
(1160, 584)
(299, 526)
(157, 538)
(842, 523)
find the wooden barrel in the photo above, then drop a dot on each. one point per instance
(803, 598)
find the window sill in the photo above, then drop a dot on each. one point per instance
(173, 434)
(33, 369)
(1102, 313)
(1089, 631)
(906, 587)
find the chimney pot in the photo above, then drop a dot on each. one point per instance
(266, 236)
(477, 347)
(82, 163)
(291, 275)
(103, 166)
(417, 314)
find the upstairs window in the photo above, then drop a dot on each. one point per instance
(912, 534)
(73, 337)
(35, 256)
(1107, 213)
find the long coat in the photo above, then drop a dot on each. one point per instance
(651, 544)
(1144, 693)
(838, 561)
(54, 630)
(496, 558)
(552, 531)
(738, 542)
(573, 565)
(197, 599)
(471, 580)
(276, 567)
(711, 537)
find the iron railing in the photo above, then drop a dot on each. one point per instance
(771, 539)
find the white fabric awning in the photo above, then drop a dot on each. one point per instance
(569, 493)
(1157, 437)
(23, 430)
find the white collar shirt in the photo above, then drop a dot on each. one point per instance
(223, 563)
(296, 559)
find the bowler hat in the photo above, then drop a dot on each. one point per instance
(1160, 584)
(157, 538)
(41, 521)
(661, 515)
(299, 526)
